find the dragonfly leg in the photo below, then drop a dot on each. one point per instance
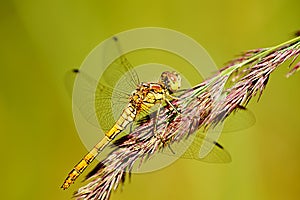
(172, 106)
(173, 97)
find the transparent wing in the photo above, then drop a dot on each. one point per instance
(118, 81)
(216, 155)
(121, 72)
(203, 146)
(104, 105)
(240, 119)
(109, 104)
(105, 101)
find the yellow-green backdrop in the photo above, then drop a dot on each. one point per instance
(41, 40)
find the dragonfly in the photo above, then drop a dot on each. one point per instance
(138, 104)
(145, 96)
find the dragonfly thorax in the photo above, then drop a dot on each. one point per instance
(147, 94)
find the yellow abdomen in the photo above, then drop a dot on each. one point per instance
(127, 116)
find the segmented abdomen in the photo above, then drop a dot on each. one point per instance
(127, 116)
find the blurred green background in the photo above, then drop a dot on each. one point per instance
(41, 40)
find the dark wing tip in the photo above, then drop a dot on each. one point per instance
(115, 38)
(218, 145)
(75, 71)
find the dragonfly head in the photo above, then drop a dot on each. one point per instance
(171, 80)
